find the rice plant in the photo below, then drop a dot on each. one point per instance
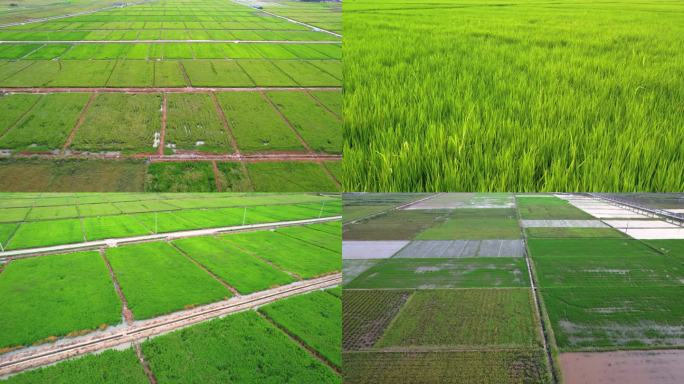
(513, 96)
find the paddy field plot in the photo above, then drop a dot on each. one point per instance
(474, 224)
(156, 279)
(110, 367)
(366, 314)
(74, 290)
(443, 273)
(146, 67)
(239, 269)
(478, 106)
(313, 318)
(548, 208)
(30, 221)
(524, 366)
(501, 317)
(394, 225)
(294, 256)
(244, 347)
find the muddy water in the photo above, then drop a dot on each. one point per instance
(623, 367)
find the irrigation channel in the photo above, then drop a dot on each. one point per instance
(32, 357)
(90, 245)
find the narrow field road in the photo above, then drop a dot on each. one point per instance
(33, 357)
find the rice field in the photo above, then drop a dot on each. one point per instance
(175, 80)
(434, 287)
(280, 325)
(513, 96)
(77, 218)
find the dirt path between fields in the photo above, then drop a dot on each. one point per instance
(210, 273)
(295, 339)
(188, 89)
(143, 362)
(217, 174)
(162, 135)
(182, 156)
(97, 244)
(125, 311)
(229, 130)
(623, 367)
(79, 122)
(170, 41)
(33, 357)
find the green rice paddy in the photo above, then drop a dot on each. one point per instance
(513, 96)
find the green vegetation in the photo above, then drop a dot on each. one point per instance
(242, 348)
(464, 317)
(108, 367)
(615, 317)
(444, 273)
(44, 233)
(394, 225)
(572, 232)
(48, 123)
(180, 177)
(588, 248)
(156, 279)
(473, 224)
(522, 366)
(319, 128)
(305, 260)
(74, 289)
(193, 124)
(366, 314)
(290, 177)
(120, 122)
(28, 175)
(313, 318)
(549, 208)
(239, 269)
(531, 97)
(257, 126)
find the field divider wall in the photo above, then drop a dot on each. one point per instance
(145, 365)
(126, 313)
(89, 245)
(205, 269)
(33, 357)
(303, 345)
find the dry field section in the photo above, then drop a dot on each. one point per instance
(176, 80)
(295, 339)
(440, 304)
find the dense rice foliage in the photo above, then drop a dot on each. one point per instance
(524, 96)
(515, 367)
(108, 367)
(242, 348)
(313, 318)
(464, 317)
(156, 279)
(52, 296)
